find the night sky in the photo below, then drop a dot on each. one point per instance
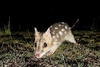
(42, 15)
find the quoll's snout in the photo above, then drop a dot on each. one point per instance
(37, 55)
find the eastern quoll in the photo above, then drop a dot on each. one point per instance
(47, 42)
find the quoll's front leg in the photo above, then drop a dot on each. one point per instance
(49, 53)
(52, 50)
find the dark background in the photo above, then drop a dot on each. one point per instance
(42, 15)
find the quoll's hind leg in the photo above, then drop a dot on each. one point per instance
(70, 38)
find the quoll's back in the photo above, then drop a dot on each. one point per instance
(61, 31)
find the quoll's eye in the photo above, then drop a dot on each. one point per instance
(45, 45)
(35, 44)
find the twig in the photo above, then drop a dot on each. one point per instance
(93, 23)
(75, 24)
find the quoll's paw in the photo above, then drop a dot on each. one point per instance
(77, 44)
(49, 53)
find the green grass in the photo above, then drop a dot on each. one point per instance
(5, 30)
(19, 45)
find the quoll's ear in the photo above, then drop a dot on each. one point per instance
(47, 33)
(36, 31)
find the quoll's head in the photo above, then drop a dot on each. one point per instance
(42, 42)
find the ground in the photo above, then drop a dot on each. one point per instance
(16, 49)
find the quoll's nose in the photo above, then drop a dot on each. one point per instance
(37, 55)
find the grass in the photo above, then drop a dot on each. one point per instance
(5, 30)
(17, 48)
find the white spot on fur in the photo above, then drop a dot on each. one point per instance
(62, 22)
(57, 35)
(54, 37)
(60, 33)
(56, 27)
(62, 29)
(58, 43)
(66, 27)
(59, 24)
(55, 43)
